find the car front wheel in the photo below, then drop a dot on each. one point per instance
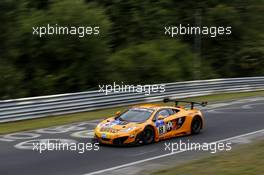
(148, 135)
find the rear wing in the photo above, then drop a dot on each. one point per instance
(192, 103)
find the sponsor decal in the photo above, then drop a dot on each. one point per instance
(108, 129)
(164, 127)
(104, 136)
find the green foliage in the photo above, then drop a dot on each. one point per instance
(11, 82)
(131, 46)
(53, 64)
(153, 61)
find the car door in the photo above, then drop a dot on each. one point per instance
(164, 125)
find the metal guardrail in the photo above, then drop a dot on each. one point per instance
(36, 107)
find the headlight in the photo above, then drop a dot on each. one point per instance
(128, 129)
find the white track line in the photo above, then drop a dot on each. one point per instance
(168, 154)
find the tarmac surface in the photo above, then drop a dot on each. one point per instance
(18, 156)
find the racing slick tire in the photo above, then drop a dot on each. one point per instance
(196, 125)
(148, 135)
(145, 137)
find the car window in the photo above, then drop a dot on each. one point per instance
(136, 115)
(166, 112)
(163, 112)
(172, 111)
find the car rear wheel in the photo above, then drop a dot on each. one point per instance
(196, 125)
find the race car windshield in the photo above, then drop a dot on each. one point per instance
(136, 115)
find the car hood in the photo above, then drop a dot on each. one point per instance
(116, 124)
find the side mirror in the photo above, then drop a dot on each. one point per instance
(118, 113)
(161, 117)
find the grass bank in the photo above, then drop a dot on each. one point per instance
(248, 159)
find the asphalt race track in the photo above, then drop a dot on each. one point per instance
(17, 157)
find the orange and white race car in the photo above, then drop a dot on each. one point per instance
(145, 124)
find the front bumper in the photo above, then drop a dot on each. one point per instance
(114, 139)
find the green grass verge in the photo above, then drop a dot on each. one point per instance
(248, 159)
(77, 117)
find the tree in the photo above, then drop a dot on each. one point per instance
(61, 63)
(153, 61)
